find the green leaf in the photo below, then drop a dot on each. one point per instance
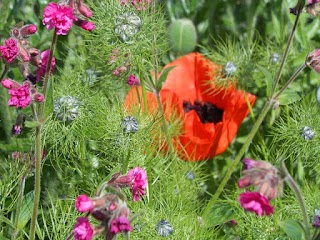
(31, 124)
(3, 238)
(26, 210)
(220, 214)
(268, 79)
(290, 95)
(163, 77)
(293, 229)
(49, 99)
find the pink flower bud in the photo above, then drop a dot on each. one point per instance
(28, 30)
(10, 84)
(116, 72)
(84, 10)
(313, 60)
(38, 97)
(24, 54)
(244, 182)
(85, 25)
(83, 203)
(122, 68)
(33, 52)
(133, 81)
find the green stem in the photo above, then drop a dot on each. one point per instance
(293, 77)
(38, 143)
(19, 203)
(295, 188)
(243, 149)
(5, 114)
(285, 55)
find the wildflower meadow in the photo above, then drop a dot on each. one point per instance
(160, 119)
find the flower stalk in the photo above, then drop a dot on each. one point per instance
(38, 143)
(295, 188)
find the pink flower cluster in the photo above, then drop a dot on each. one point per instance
(110, 209)
(62, 16)
(267, 182)
(115, 55)
(21, 95)
(10, 50)
(133, 81)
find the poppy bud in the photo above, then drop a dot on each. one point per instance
(28, 30)
(313, 60)
(182, 36)
(84, 10)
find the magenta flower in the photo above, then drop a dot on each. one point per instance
(58, 16)
(19, 94)
(44, 61)
(85, 25)
(139, 178)
(83, 230)
(255, 202)
(10, 50)
(120, 224)
(84, 203)
(133, 81)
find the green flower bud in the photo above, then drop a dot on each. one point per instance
(182, 36)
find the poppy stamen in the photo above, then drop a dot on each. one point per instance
(207, 112)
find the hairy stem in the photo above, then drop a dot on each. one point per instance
(295, 188)
(38, 142)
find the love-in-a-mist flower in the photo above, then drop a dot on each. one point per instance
(83, 229)
(84, 203)
(210, 114)
(10, 50)
(41, 70)
(58, 16)
(255, 202)
(139, 178)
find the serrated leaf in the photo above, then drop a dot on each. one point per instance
(31, 124)
(293, 229)
(163, 77)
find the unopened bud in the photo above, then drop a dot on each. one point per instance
(85, 25)
(313, 60)
(38, 97)
(28, 30)
(84, 10)
(24, 54)
(10, 84)
(33, 52)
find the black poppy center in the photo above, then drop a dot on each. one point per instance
(207, 112)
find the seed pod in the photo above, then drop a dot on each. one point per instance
(127, 25)
(307, 133)
(164, 228)
(66, 108)
(129, 124)
(182, 36)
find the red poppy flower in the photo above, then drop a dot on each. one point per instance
(211, 117)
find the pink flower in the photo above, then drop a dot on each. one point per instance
(139, 178)
(19, 94)
(44, 61)
(120, 224)
(84, 204)
(254, 202)
(28, 30)
(83, 230)
(133, 81)
(58, 16)
(10, 50)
